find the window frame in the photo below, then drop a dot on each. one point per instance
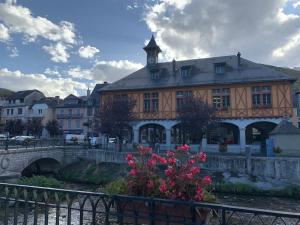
(261, 96)
(151, 102)
(221, 98)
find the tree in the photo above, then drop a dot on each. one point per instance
(196, 116)
(116, 113)
(35, 127)
(14, 127)
(52, 127)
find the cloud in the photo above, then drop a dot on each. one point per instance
(20, 20)
(87, 51)
(261, 30)
(14, 52)
(296, 4)
(58, 52)
(4, 34)
(105, 70)
(49, 86)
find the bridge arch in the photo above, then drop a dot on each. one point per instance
(41, 166)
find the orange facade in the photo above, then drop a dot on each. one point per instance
(240, 95)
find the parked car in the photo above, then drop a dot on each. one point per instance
(75, 138)
(112, 140)
(3, 137)
(24, 140)
(95, 141)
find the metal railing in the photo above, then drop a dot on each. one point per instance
(21, 204)
(30, 144)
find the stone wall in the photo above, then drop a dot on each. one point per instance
(278, 168)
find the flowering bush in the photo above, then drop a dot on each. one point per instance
(175, 176)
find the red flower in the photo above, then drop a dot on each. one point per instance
(133, 172)
(184, 148)
(144, 150)
(189, 176)
(168, 172)
(151, 163)
(171, 160)
(129, 157)
(195, 170)
(163, 186)
(199, 194)
(192, 161)
(162, 160)
(155, 156)
(207, 180)
(131, 163)
(150, 184)
(171, 183)
(170, 153)
(202, 156)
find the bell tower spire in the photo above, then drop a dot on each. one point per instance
(152, 50)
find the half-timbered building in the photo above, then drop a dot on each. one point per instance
(251, 98)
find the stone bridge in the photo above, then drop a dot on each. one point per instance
(14, 163)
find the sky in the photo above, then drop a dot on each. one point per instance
(65, 47)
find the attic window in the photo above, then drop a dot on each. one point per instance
(185, 71)
(220, 68)
(155, 74)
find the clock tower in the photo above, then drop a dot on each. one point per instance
(152, 50)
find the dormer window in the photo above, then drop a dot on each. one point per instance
(155, 74)
(185, 71)
(220, 68)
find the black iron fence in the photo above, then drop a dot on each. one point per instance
(36, 205)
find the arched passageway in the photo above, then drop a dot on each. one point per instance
(258, 132)
(152, 134)
(42, 166)
(225, 133)
(180, 136)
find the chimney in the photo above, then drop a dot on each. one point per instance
(88, 92)
(238, 59)
(174, 67)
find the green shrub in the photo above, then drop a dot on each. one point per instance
(277, 150)
(41, 181)
(117, 187)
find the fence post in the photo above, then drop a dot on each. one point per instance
(248, 160)
(223, 221)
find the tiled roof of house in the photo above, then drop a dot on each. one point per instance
(21, 94)
(201, 72)
(285, 127)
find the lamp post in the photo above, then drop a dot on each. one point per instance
(6, 141)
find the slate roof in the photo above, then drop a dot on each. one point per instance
(21, 94)
(202, 72)
(81, 102)
(50, 101)
(152, 45)
(285, 127)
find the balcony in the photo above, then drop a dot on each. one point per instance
(69, 116)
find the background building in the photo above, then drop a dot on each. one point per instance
(71, 113)
(251, 98)
(18, 105)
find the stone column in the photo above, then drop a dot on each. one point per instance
(135, 135)
(242, 139)
(168, 138)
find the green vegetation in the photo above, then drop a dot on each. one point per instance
(117, 187)
(91, 173)
(292, 191)
(41, 181)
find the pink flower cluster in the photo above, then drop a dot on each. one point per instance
(181, 179)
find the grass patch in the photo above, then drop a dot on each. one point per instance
(90, 173)
(292, 191)
(41, 181)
